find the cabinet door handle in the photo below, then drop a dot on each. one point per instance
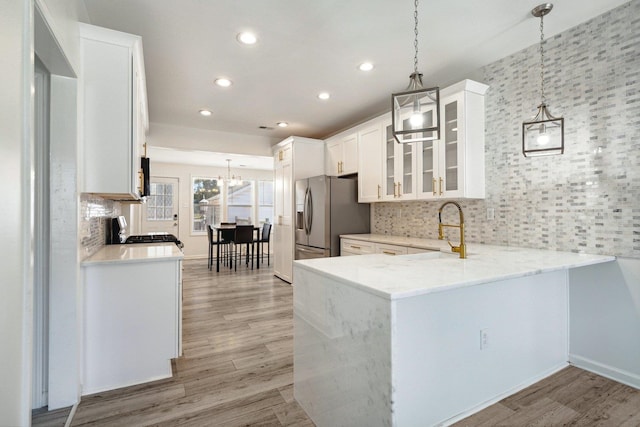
(441, 186)
(280, 155)
(433, 186)
(379, 190)
(399, 190)
(355, 247)
(388, 253)
(395, 189)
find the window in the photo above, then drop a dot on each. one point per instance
(265, 202)
(240, 203)
(207, 203)
(250, 202)
(160, 202)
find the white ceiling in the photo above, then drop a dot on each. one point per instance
(305, 47)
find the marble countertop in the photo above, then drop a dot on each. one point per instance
(143, 252)
(411, 242)
(403, 276)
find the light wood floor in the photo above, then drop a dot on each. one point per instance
(237, 370)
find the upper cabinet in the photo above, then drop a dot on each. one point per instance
(453, 166)
(370, 162)
(114, 105)
(342, 155)
(398, 167)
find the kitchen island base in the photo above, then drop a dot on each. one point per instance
(363, 359)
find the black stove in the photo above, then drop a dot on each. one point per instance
(154, 238)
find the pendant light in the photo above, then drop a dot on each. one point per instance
(544, 134)
(416, 111)
(231, 180)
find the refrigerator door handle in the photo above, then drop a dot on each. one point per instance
(309, 211)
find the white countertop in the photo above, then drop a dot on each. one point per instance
(403, 276)
(411, 242)
(141, 252)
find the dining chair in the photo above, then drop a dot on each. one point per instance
(265, 235)
(224, 246)
(227, 237)
(243, 236)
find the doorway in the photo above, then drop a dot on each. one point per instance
(160, 214)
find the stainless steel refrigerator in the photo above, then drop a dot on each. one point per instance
(326, 207)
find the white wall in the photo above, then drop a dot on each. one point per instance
(196, 245)
(16, 184)
(605, 319)
(164, 135)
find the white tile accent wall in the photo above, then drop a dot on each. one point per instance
(94, 214)
(587, 200)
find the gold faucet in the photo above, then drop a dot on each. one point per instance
(462, 249)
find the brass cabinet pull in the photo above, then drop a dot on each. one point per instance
(280, 155)
(395, 189)
(441, 186)
(399, 190)
(379, 187)
(388, 253)
(433, 186)
(141, 181)
(355, 247)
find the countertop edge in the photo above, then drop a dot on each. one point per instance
(102, 258)
(457, 285)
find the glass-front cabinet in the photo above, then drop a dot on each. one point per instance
(398, 168)
(453, 166)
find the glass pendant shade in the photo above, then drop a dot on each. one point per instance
(543, 135)
(416, 112)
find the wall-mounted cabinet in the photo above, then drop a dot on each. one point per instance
(342, 155)
(114, 106)
(453, 166)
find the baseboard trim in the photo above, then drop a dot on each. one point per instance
(607, 371)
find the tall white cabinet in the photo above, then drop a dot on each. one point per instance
(294, 158)
(114, 105)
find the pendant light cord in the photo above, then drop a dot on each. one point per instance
(544, 100)
(415, 42)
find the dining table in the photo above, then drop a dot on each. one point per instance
(219, 229)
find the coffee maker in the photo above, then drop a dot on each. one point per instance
(117, 234)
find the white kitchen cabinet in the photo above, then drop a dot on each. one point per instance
(132, 315)
(453, 166)
(294, 158)
(370, 145)
(386, 249)
(398, 167)
(356, 247)
(342, 155)
(114, 107)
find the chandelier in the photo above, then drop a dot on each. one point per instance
(231, 180)
(543, 135)
(416, 111)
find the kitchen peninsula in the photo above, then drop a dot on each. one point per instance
(132, 304)
(427, 338)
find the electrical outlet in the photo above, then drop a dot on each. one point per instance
(491, 214)
(484, 339)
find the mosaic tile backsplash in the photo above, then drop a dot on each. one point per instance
(587, 200)
(94, 214)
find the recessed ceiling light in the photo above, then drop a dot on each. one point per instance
(205, 113)
(283, 124)
(246, 37)
(324, 95)
(365, 66)
(224, 82)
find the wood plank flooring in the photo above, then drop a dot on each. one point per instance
(237, 370)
